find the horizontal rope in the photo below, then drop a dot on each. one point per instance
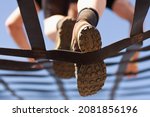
(143, 59)
(22, 75)
(138, 93)
(27, 66)
(144, 49)
(78, 57)
(52, 74)
(74, 89)
(129, 73)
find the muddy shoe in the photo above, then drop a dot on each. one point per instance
(64, 36)
(90, 78)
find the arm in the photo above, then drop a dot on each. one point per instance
(14, 25)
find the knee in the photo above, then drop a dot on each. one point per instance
(51, 34)
(10, 25)
(124, 4)
(124, 9)
(46, 31)
(120, 2)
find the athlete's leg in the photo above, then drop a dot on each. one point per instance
(54, 11)
(73, 12)
(14, 25)
(125, 10)
(86, 38)
(58, 26)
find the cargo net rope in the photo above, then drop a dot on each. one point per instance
(45, 59)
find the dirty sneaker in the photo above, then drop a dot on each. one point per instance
(64, 36)
(90, 78)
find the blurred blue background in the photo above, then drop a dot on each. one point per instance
(112, 29)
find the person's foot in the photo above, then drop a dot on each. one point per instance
(90, 78)
(64, 36)
(133, 67)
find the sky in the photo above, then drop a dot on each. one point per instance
(112, 28)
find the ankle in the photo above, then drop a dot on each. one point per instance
(89, 15)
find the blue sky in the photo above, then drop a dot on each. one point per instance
(111, 27)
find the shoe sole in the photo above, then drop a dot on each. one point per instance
(63, 69)
(90, 78)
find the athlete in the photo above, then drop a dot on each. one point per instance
(86, 38)
(82, 32)
(58, 15)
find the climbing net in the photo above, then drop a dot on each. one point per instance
(45, 57)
